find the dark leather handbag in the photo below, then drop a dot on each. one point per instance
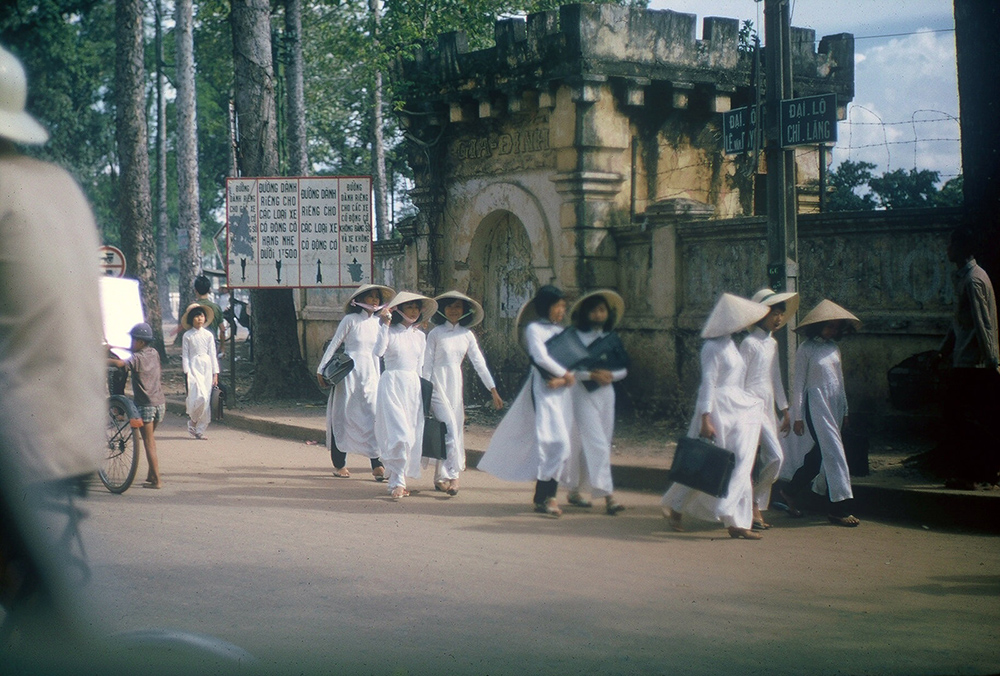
(432, 445)
(703, 466)
(337, 368)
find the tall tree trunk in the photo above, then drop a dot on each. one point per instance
(162, 218)
(138, 242)
(378, 142)
(188, 214)
(279, 370)
(298, 159)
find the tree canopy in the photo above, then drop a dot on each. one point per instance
(896, 189)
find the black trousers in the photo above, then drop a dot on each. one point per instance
(339, 458)
(545, 490)
(810, 468)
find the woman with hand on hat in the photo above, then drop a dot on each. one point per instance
(350, 408)
(819, 402)
(448, 344)
(727, 415)
(200, 364)
(763, 380)
(399, 419)
(594, 317)
(532, 441)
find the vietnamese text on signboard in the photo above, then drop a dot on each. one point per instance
(298, 231)
(738, 128)
(810, 120)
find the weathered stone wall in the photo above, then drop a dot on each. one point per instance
(889, 268)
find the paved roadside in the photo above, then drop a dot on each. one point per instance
(891, 491)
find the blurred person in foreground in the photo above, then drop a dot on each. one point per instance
(52, 393)
(968, 453)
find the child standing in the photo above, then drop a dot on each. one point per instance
(200, 363)
(763, 380)
(819, 401)
(448, 344)
(144, 363)
(594, 316)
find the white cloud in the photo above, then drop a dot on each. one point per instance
(905, 109)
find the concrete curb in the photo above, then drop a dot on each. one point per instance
(931, 508)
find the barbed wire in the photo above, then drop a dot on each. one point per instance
(914, 142)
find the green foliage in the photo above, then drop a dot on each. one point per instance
(897, 189)
(64, 45)
(901, 189)
(845, 180)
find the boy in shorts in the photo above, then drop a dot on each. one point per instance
(147, 392)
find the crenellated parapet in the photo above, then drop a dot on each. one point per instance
(638, 51)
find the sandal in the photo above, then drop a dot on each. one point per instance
(398, 492)
(849, 521)
(577, 500)
(341, 473)
(760, 525)
(676, 524)
(379, 474)
(612, 507)
(790, 507)
(551, 508)
(442, 485)
(453, 487)
(745, 533)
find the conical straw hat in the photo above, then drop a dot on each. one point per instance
(731, 314)
(446, 298)
(186, 318)
(615, 303)
(827, 311)
(427, 305)
(387, 294)
(769, 298)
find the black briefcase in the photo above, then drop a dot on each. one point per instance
(703, 466)
(337, 368)
(433, 444)
(567, 348)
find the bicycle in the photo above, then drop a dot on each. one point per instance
(121, 460)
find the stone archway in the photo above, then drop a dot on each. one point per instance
(504, 278)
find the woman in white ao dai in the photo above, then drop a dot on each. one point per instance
(399, 418)
(726, 414)
(448, 344)
(350, 408)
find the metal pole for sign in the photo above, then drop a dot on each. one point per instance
(822, 178)
(782, 227)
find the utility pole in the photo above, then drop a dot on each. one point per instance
(782, 206)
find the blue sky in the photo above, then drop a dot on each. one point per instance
(906, 92)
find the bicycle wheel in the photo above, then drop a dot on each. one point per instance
(121, 461)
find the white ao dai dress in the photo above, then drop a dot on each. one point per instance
(199, 362)
(819, 388)
(447, 347)
(589, 463)
(399, 419)
(350, 408)
(763, 380)
(532, 441)
(736, 416)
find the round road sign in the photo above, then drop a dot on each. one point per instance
(112, 261)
